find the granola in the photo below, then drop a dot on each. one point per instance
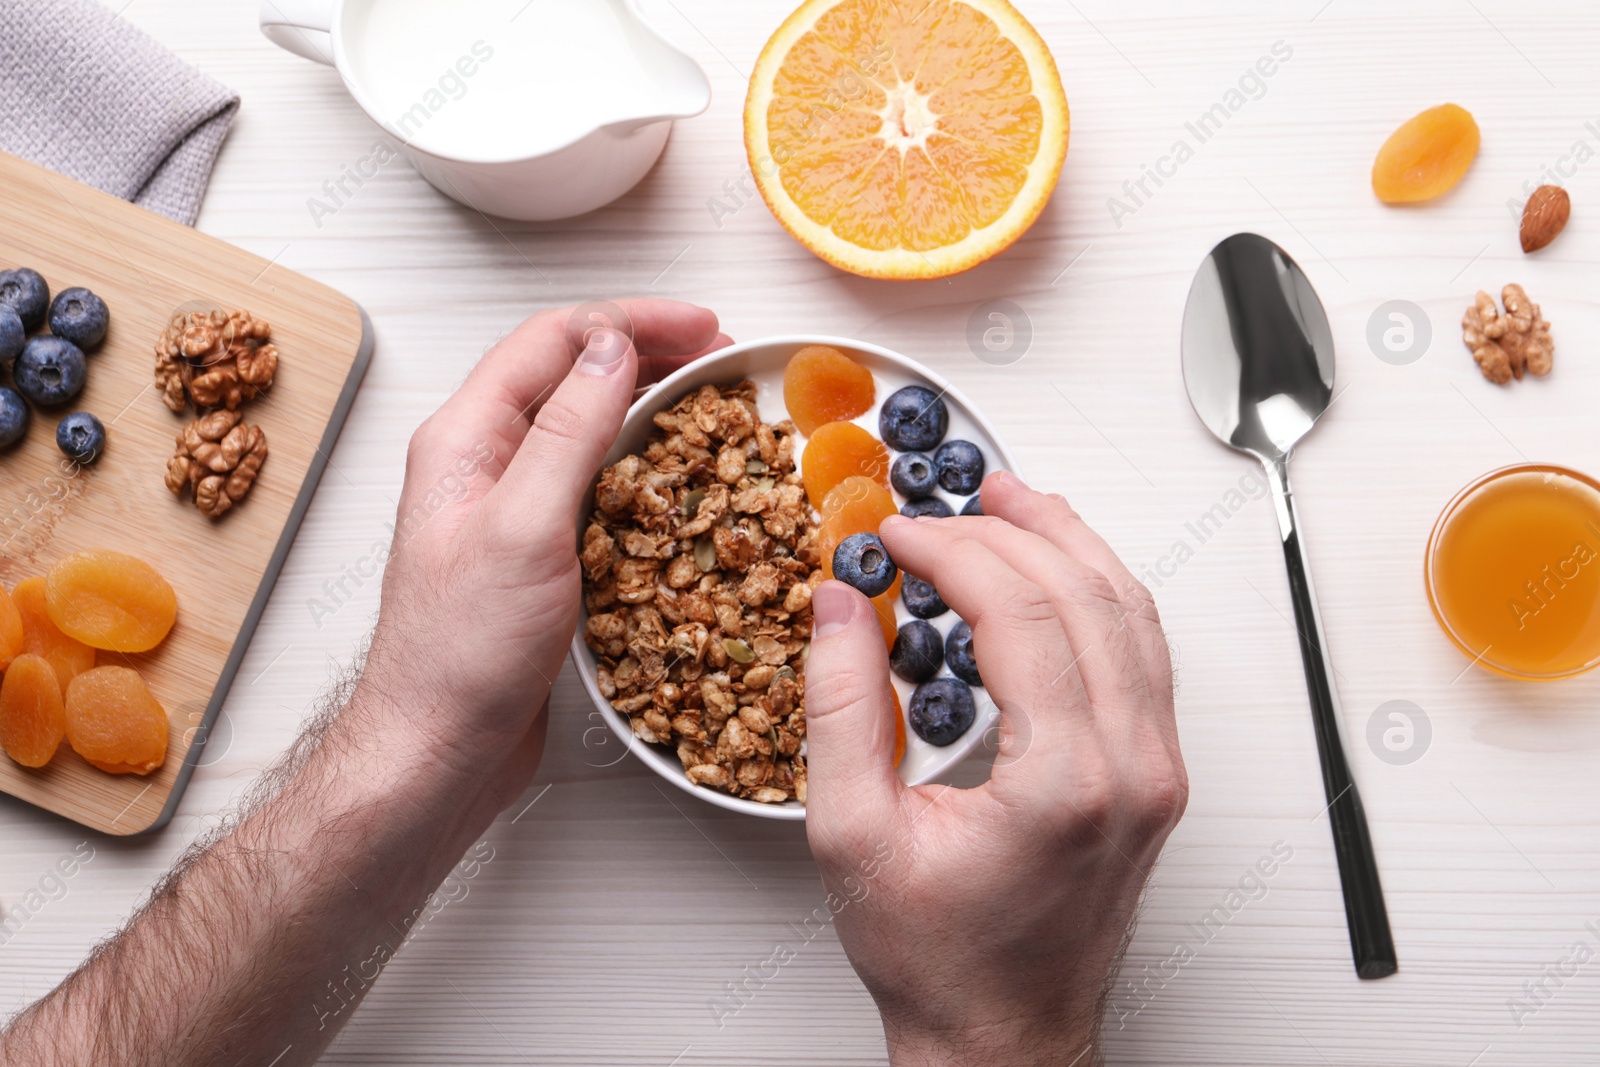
(699, 562)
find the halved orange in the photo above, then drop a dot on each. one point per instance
(906, 138)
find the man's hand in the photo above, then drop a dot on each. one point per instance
(481, 594)
(986, 922)
(262, 940)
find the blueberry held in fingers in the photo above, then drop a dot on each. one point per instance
(918, 651)
(863, 562)
(942, 710)
(915, 509)
(26, 293)
(960, 466)
(77, 315)
(921, 598)
(14, 416)
(81, 437)
(913, 419)
(913, 475)
(958, 654)
(50, 371)
(973, 506)
(12, 334)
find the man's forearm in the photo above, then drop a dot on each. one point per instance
(263, 940)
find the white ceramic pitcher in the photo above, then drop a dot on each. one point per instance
(527, 109)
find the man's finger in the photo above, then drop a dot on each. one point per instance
(655, 365)
(539, 494)
(498, 401)
(670, 327)
(1047, 725)
(1052, 518)
(1107, 654)
(1136, 723)
(851, 778)
(534, 358)
(481, 426)
(1013, 620)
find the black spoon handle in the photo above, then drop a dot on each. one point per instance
(1371, 942)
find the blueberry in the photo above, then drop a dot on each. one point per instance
(958, 653)
(81, 436)
(77, 315)
(12, 335)
(14, 416)
(973, 506)
(913, 509)
(25, 291)
(913, 475)
(918, 651)
(942, 710)
(960, 466)
(50, 371)
(862, 561)
(913, 419)
(921, 598)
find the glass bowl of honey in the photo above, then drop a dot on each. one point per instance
(1513, 571)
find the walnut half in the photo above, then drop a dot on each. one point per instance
(1508, 344)
(218, 458)
(214, 359)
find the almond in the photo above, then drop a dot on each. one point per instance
(1545, 216)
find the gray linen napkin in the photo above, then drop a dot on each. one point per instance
(86, 94)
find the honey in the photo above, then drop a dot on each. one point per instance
(1513, 571)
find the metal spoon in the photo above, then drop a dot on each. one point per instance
(1258, 364)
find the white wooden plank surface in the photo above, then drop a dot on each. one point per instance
(611, 915)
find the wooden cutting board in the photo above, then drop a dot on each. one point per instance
(147, 268)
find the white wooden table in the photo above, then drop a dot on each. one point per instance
(612, 915)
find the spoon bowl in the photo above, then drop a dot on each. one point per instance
(1257, 349)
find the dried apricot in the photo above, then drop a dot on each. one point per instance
(41, 636)
(821, 384)
(11, 633)
(857, 505)
(1426, 156)
(115, 722)
(110, 600)
(32, 721)
(836, 451)
(883, 604)
(899, 728)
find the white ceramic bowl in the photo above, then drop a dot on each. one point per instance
(763, 362)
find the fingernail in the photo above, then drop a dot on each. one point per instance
(602, 351)
(831, 609)
(1009, 479)
(894, 521)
